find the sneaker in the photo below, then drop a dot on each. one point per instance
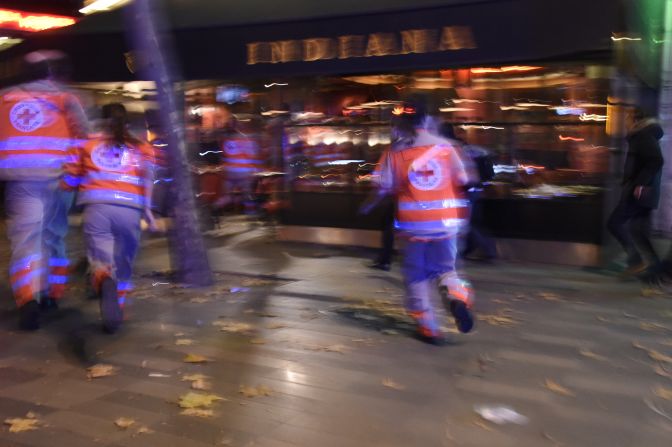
(459, 309)
(432, 339)
(110, 310)
(48, 304)
(29, 316)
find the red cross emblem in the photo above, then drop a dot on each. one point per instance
(27, 116)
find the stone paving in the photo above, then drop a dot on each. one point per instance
(322, 342)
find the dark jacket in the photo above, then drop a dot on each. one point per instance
(644, 163)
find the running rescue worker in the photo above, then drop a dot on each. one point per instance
(114, 174)
(39, 122)
(426, 176)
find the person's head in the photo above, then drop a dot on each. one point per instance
(411, 116)
(46, 64)
(116, 121)
(633, 116)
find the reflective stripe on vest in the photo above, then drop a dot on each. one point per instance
(41, 161)
(433, 205)
(28, 143)
(72, 181)
(242, 169)
(109, 196)
(243, 161)
(430, 225)
(113, 177)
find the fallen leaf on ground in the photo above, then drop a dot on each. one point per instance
(602, 319)
(199, 300)
(389, 332)
(258, 391)
(198, 400)
(202, 385)
(659, 357)
(179, 334)
(591, 355)
(124, 423)
(198, 412)
(557, 388)
(276, 326)
(18, 425)
(233, 327)
(497, 320)
(663, 392)
(194, 377)
(392, 384)
(101, 370)
(145, 431)
(195, 358)
(653, 327)
(341, 349)
(548, 296)
(258, 341)
(480, 423)
(662, 371)
(31, 415)
(249, 311)
(184, 342)
(254, 282)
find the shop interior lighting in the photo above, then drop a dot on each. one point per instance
(619, 38)
(455, 109)
(28, 21)
(565, 110)
(531, 104)
(512, 108)
(508, 69)
(274, 112)
(344, 162)
(470, 126)
(276, 84)
(94, 6)
(564, 138)
(6, 42)
(592, 117)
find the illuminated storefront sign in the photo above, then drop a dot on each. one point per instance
(416, 41)
(28, 21)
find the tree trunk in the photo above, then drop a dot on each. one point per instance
(152, 48)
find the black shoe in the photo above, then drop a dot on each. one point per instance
(380, 266)
(48, 304)
(29, 316)
(464, 319)
(110, 310)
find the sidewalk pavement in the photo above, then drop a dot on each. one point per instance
(324, 356)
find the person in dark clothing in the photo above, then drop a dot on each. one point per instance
(640, 194)
(384, 259)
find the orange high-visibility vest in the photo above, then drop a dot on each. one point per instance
(429, 198)
(108, 173)
(242, 156)
(34, 135)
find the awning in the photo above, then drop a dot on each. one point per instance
(233, 39)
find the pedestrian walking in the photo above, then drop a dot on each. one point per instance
(640, 193)
(426, 176)
(39, 121)
(114, 174)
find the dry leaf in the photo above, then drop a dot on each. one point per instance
(497, 320)
(31, 415)
(659, 357)
(198, 400)
(202, 385)
(662, 371)
(195, 358)
(198, 412)
(276, 326)
(341, 349)
(199, 300)
(159, 375)
(249, 311)
(251, 391)
(101, 370)
(392, 384)
(602, 319)
(145, 431)
(233, 327)
(480, 423)
(18, 425)
(254, 282)
(179, 334)
(549, 296)
(557, 388)
(258, 341)
(663, 392)
(389, 332)
(592, 355)
(194, 377)
(124, 423)
(184, 342)
(653, 327)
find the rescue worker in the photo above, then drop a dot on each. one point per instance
(426, 175)
(39, 122)
(242, 159)
(114, 174)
